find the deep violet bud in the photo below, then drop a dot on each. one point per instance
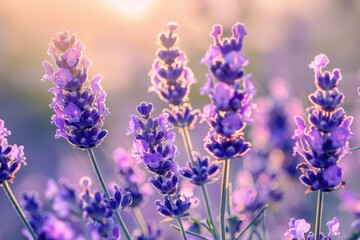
(121, 199)
(144, 109)
(325, 142)
(177, 208)
(79, 103)
(201, 172)
(170, 76)
(11, 156)
(167, 184)
(225, 148)
(183, 116)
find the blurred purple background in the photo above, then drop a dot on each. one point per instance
(120, 38)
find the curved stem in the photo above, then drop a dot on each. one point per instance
(224, 190)
(18, 209)
(139, 218)
(319, 208)
(187, 142)
(118, 217)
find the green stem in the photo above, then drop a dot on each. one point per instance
(187, 142)
(224, 189)
(190, 233)
(354, 149)
(18, 209)
(183, 232)
(319, 208)
(118, 217)
(252, 221)
(208, 208)
(139, 218)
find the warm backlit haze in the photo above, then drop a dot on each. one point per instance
(120, 38)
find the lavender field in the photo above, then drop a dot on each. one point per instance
(152, 119)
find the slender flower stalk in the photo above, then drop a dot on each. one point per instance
(319, 210)
(18, 209)
(223, 197)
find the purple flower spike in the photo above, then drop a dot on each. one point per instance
(231, 96)
(325, 142)
(11, 156)
(170, 76)
(79, 104)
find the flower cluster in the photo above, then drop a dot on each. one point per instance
(231, 95)
(11, 156)
(172, 79)
(201, 171)
(79, 109)
(273, 125)
(45, 225)
(99, 209)
(153, 145)
(298, 228)
(258, 184)
(132, 177)
(326, 140)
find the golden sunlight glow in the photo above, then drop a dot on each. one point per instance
(132, 7)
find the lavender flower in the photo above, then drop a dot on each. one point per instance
(45, 225)
(231, 96)
(132, 177)
(299, 227)
(257, 185)
(201, 171)
(65, 199)
(153, 145)
(79, 109)
(11, 156)
(326, 140)
(99, 212)
(170, 76)
(174, 208)
(172, 79)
